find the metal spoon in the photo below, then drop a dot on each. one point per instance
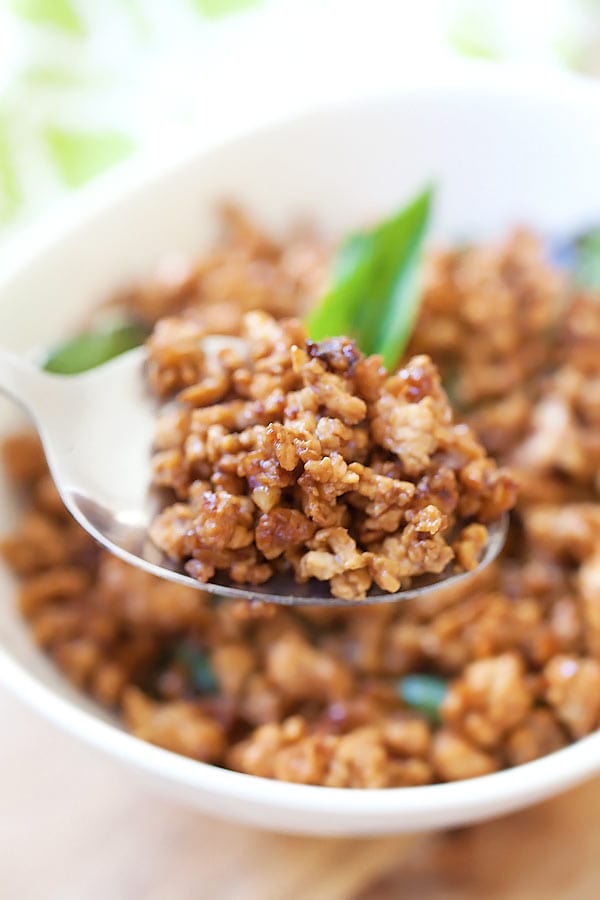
(97, 429)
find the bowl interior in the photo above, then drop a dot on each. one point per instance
(499, 155)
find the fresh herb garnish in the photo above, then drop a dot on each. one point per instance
(197, 662)
(586, 259)
(91, 349)
(375, 294)
(424, 693)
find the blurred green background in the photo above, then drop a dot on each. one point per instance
(85, 84)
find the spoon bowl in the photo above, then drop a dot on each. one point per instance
(83, 419)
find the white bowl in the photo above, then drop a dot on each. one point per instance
(503, 150)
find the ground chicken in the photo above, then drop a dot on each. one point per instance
(277, 461)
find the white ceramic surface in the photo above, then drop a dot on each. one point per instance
(504, 147)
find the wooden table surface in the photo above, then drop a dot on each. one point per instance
(72, 827)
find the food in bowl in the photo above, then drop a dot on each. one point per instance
(461, 683)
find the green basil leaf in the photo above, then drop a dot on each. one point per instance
(197, 661)
(86, 351)
(375, 293)
(399, 288)
(336, 313)
(424, 693)
(586, 259)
